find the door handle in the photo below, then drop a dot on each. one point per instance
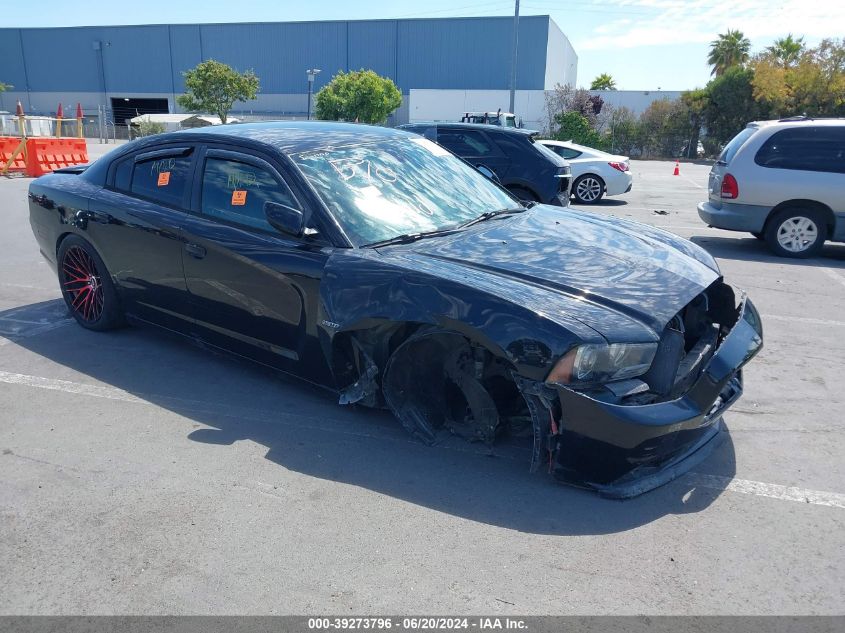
(195, 250)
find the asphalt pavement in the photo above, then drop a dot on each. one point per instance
(142, 475)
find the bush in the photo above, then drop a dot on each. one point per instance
(574, 126)
(149, 128)
(361, 96)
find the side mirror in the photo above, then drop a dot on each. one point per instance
(487, 173)
(284, 219)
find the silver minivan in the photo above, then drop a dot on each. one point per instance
(784, 182)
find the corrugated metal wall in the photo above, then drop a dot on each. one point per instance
(471, 53)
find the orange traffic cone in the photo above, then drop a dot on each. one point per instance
(677, 171)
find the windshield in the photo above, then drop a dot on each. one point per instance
(381, 190)
(735, 143)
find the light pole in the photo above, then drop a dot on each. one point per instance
(312, 73)
(513, 54)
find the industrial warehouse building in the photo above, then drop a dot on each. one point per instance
(132, 70)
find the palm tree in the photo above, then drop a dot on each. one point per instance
(729, 49)
(787, 50)
(603, 82)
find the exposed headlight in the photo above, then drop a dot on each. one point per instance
(598, 364)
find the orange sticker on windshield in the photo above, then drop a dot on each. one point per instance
(238, 197)
(163, 178)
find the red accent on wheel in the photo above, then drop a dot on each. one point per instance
(82, 282)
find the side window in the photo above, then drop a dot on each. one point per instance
(236, 192)
(162, 179)
(805, 148)
(465, 142)
(123, 175)
(568, 152)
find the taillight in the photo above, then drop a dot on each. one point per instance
(730, 188)
(619, 166)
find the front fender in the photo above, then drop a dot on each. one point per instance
(361, 289)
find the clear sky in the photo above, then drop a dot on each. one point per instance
(643, 44)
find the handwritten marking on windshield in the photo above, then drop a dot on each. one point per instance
(350, 168)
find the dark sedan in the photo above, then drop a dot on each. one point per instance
(376, 263)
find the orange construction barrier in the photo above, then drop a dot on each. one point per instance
(8, 146)
(48, 154)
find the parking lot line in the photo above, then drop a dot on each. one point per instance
(692, 182)
(834, 275)
(742, 486)
(774, 491)
(807, 320)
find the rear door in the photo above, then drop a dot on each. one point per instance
(254, 290)
(135, 224)
(475, 147)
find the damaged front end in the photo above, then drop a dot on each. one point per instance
(627, 435)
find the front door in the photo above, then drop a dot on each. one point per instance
(254, 290)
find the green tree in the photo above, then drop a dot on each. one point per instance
(731, 104)
(813, 85)
(214, 87)
(359, 95)
(665, 127)
(5, 87)
(696, 102)
(149, 128)
(574, 126)
(787, 50)
(603, 82)
(728, 50)
(566, 98)
(623, 131)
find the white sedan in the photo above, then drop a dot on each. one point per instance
(594, 173)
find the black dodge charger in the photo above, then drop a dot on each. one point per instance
(378, 264)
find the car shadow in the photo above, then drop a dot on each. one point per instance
(227, 401)
(748, 248)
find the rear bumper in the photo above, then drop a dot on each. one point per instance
(624, 450)
(734, 217)
(619, 184)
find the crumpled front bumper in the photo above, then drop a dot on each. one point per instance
(624, 450)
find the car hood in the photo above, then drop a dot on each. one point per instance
(600, 270)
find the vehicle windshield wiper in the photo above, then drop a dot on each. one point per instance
(491, 214)
(407, 238)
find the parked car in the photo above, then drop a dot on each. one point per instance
(523, 166)
(594, 173)
(376, 263)
(784, 182)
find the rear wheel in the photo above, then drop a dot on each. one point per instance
(588, 189)
(796, 232)
(86, 286)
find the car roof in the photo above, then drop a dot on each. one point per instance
(798, 121)
(471, 126)
(575, 146)
(292, 137)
